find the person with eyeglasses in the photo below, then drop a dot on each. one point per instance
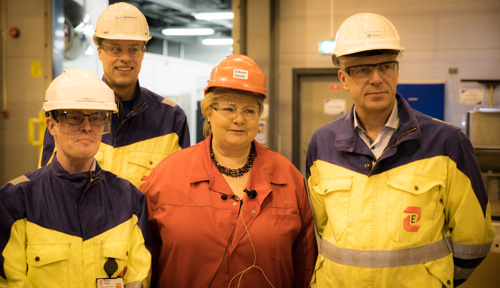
(72, 223)
(229, 212)
(147, 127)
(397, 195)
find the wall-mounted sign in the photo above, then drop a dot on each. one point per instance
(334, 106)
(471, 96)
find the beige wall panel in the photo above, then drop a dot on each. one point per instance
(26, 80)
(302, 25)
(258, 29)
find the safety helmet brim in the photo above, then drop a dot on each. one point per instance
(79, 89)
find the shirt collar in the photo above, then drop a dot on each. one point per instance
(392, 121)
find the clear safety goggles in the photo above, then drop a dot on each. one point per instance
(117, 50)
(74, 121)
(231, 110)
(363, 72)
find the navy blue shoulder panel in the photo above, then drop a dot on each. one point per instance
(153, 120)
(60, 203)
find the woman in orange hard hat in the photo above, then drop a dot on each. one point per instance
(229, 212)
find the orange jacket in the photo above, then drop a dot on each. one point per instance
(194, 224)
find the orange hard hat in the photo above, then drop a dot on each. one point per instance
(238, 72)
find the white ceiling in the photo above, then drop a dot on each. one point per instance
(162, 14)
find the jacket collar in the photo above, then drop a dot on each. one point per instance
(140, 103)
(76, 182)
(348, 139)
(264, 171)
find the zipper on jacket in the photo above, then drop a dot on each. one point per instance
(128, 114)
(92, 179)
(143, 103)
(397, 141)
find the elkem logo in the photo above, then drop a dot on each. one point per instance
(409, 223)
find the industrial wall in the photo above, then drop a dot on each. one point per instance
(436, 35)
(26, 73)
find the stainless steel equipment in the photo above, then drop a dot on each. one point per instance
(483, 130)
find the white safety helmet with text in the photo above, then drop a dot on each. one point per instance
(365, 32)
(79, 89)
(122, 21)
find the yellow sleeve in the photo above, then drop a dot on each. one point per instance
(15, 257)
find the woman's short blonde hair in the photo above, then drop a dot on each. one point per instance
(217, 94)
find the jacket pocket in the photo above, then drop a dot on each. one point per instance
(412, 205)
(140, 164)
(437, 269)
(48, 263)
(285, 226)
(118, 250)
(146, 160)
(336, 194)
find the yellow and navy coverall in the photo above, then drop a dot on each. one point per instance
(416, 217)
(155, 128)
(59, 229)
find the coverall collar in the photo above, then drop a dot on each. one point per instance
(262, 175)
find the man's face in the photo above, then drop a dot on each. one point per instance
(375, 92)
(76, 142)
(121, 61)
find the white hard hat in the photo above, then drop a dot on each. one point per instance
(122, 21)
(79, 89)
(365, 32)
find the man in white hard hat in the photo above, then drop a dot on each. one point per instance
(147, 127)
(71, 223)
(397, 196)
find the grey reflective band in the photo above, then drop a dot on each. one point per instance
(464, 251)
(385, 258)
(462, 273)
(135, 284)
(18, 180)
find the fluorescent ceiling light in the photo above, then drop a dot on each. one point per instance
(187, 31)
(214, 16)
(217, 41)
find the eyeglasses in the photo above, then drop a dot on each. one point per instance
(230, 110)
(366, 71)
(99, 121)
(117, 50)
(76, 117)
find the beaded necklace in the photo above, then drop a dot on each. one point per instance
(234, 172)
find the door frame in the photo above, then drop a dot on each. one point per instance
(298, 74)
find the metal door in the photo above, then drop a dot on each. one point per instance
(318, 100)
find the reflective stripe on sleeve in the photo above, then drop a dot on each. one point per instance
(462, 273)
(135, 284)
(464, 251)
(385, 258)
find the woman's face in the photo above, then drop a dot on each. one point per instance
(234, 121)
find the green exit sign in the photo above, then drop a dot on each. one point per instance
(326, 47)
